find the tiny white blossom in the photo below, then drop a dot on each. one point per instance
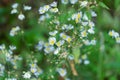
(93, 42)
(14, 31)
(27, 7)
(49, 49)
(84, 23)
(53, 33)
(40, 45)
(84, 33)
(54, 4)
(62, 72)
(91, 31)
(73, 1)
(117, 39)
(63, 35)
(46, 8)
(64, 1)
(84, 3)
(91, 24)
(27, 75)
(2, 47)
(56, 51)
(21, 16)
(54, 10)
(15, 5)
(93, 14)
(52, 40)
(113, 33)
(14, 11)
(85, 17)
(41, 10)
(86, 62)
(60, 43)
(12, 47)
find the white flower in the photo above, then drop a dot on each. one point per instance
(64, 1)
(40, 45)
(85, 17)
(116, 34)
(56, 51)
(33, 69)
(14, 11)
(68, 39)
(67, 27)
(15, 5)
(2, 68)
(46, 8)
(2, 47)
(27, 75)
(52, 40)
(14, 31)
(91, 31)
(63, 35)
(73, 1)
(77, 17)
(53, 33)
(84, 3)
(12, 47)
(54, 10)
(86, 62)
(84, 33)
(91, 24)
(39, 71)
(86, 42)
(49, 49)
(27, 7)
(93, 14)
(62, 72)
(113, 33)
(21, 16)
(60, 43)
(71, 57)
(84, 23)
(54, 4)
(93, 42)
(117, 39)
(41, 10)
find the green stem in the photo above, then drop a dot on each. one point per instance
(101, 56)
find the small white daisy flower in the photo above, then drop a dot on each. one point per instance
(54, 4)
(15, 5)
(52, 40)
(27, 7)
(53, 33)
(86, 62)
(117, 39)
(62, 72)
(21, 16)
(27, 75)
(84, 3)
(54, 10)
(73, 1)
(14, 11)
(64, 1)
(84, 34)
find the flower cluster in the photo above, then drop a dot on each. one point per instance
(21, 16)
(65, 31)
(115, 35)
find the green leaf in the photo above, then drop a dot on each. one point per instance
(103, 5)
